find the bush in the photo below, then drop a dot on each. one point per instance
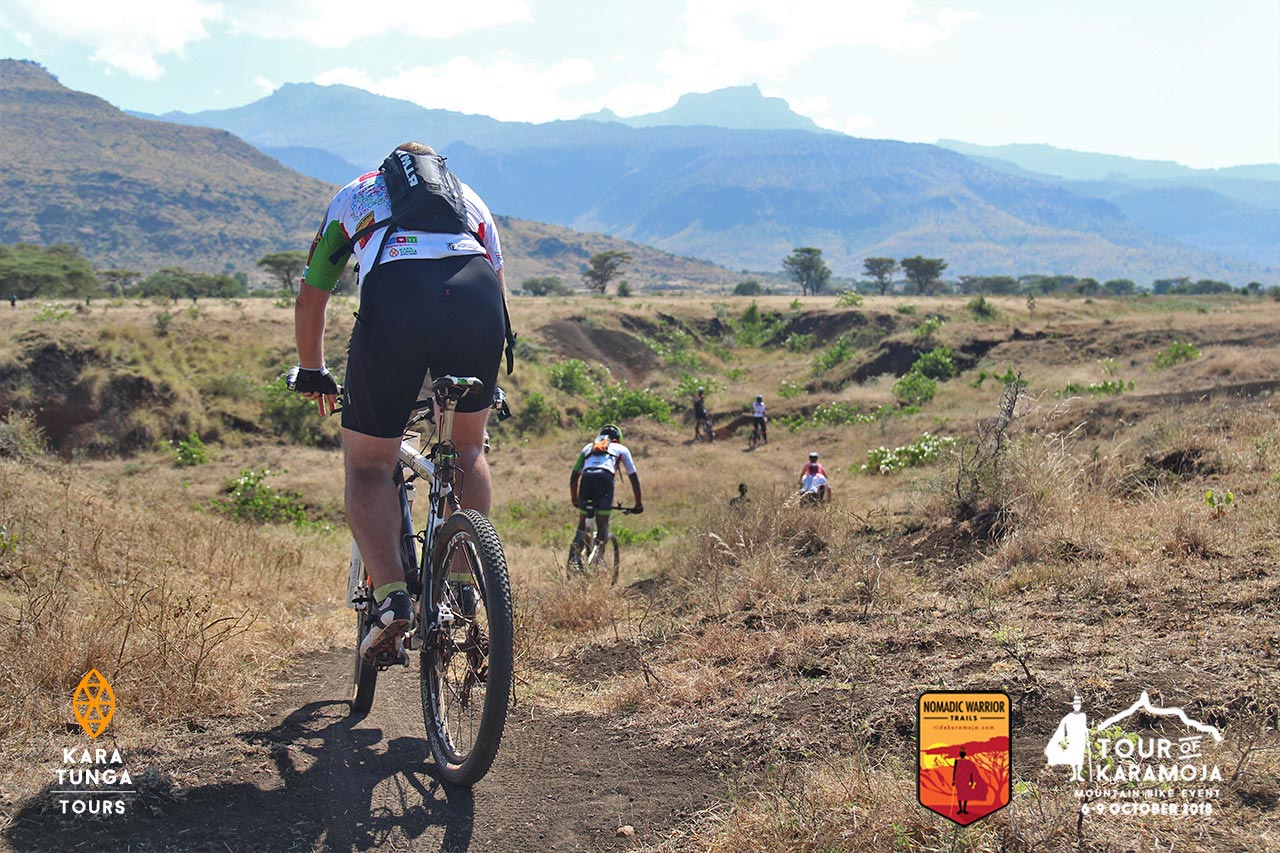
(750, 287)
(618, 402)
(936, 364)
(796, 342)
(190, 451)
(573, 377)
(907, 309)
(248, 498)
(789, 389)
(1096, 389)
(849, 299)
(927, 448)
(915, 388)
(1175, 353)
(689, 384)
(927, 328)
(840, 351)
(20, 436)
(536, 415)
(981, 309)
(293, 416)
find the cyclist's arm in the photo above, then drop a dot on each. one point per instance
(573, 479)
(635, 491)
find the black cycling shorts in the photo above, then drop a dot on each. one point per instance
(442, 317)
(595, 492)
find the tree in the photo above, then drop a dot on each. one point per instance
(28, 270)
(881, 270)
(750, 287)
(1253, 288)
(177, 283)
(988, 284)
(603, 268)
(118, 281)
(544, 286)
(1119, 286)
(808, 268)
(285, 267)
(923, 272)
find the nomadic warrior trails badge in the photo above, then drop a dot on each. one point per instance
(964, 754)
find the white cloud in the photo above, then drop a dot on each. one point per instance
(264, 84)
(730, 42)
(337, 23)
(502, 87)
(127, 36)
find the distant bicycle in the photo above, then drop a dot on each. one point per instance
(756, 436)
(588, 556)
(702, 430)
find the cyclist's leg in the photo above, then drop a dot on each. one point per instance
(468, 435)
(373, 509)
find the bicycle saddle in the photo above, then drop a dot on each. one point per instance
(456, 387)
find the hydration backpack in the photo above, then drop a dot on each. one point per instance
(424, 196)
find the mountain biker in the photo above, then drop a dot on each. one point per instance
(700, 417)
(759, 418)
(428, 302)
(813, 478)
(596, 468)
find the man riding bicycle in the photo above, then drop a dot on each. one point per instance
(596, 467)
(760, 420)
(429, 301)
(813, 479)
(701, 420)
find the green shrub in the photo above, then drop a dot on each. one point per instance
(927, 448)
(617, 402)
(51, 313)
(1175, 353)
(915, 388)
(1097, 389)
(248, 498)
(796, 342)
(689, 384)
(20, 436)
(789, 389)
(927, 328)
(840, 351)
(750, 287)
(849, 299)
(573, 377)
(936, 364)
(293, 416)
(190, 451)
(907, 309)
(981, 309)
(627, 536)
(535, 414)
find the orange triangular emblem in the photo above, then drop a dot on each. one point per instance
(94, 704)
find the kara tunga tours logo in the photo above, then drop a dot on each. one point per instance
(92, 780)
(1119, 772)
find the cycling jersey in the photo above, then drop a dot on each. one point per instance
(757, 410)
(699, 407)
(363, 202)
(812, 468)
(606, 460)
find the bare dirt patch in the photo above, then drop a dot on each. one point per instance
(624, 354)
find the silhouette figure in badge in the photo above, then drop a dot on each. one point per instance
(1070, 742)
(965, 782)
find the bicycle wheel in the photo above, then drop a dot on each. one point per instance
(577, 562)
(613, 556)
(467, 662)
(364, 679)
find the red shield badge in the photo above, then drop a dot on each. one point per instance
(963, 748)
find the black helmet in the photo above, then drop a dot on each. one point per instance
(612, 431)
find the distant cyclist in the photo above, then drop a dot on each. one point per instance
(591, 483)
(759, 418)
(813, 479)
(701, 420)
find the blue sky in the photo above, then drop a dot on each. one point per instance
(1187, 80)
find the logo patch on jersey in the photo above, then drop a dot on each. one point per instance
(365, 220)
(403, 239)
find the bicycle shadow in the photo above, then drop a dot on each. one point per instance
(333, 789)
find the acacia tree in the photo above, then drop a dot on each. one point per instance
(923, 272)
(28, 270)
(285, 267)
(882, 270)
(808, 268)
(603, 268)
(118, 281)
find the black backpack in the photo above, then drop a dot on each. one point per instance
(424, 196)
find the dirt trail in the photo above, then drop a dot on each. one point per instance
(306, 776)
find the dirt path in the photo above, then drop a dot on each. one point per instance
(306, 776)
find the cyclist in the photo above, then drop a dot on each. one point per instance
(742, 498)
(428, 302)
(760, 419)
(813, 479)
(596, 467)
(701, 420)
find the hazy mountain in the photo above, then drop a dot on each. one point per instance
(744, 198)
(1235, 210)
(139, 193)
(737, 107)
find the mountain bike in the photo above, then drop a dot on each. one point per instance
(456, 573)
(702, 430)
(588, 555)
(757, 435)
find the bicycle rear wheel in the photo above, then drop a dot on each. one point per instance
(613, 557)
(467, 661)
(364, 679)
(577, 562)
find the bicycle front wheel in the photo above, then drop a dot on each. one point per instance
(467, 661)
(364, 679)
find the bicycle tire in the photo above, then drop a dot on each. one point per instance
(470, 536)
(576, 565)
(614, 558)
(364, 679)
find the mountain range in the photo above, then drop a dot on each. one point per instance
(745, 195)
(144, 194)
